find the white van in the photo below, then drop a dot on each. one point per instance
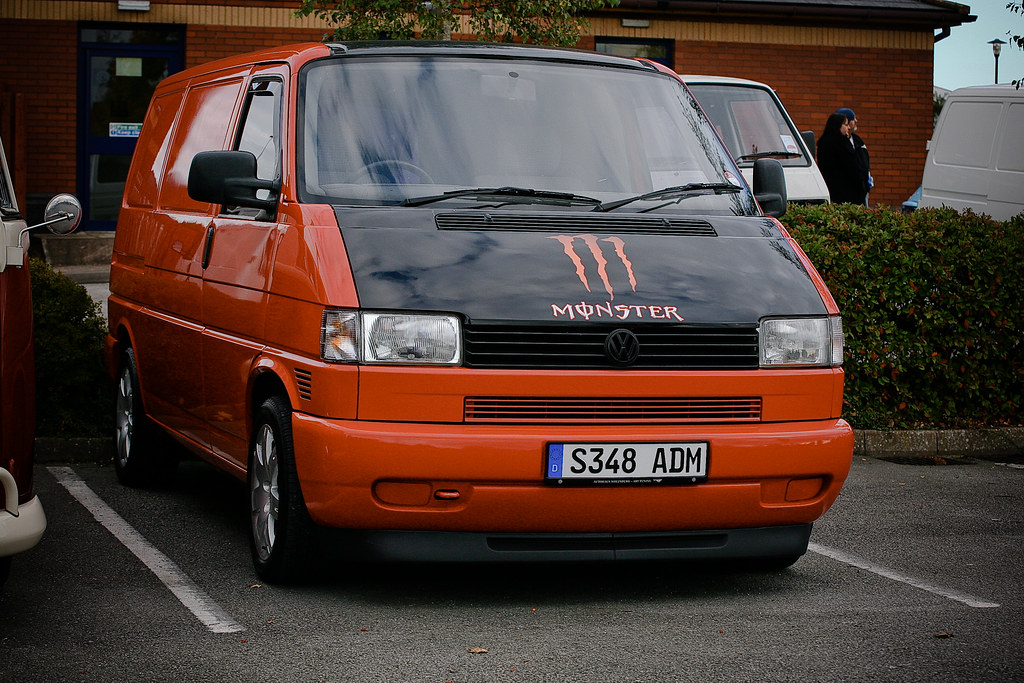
(754, 125)
(976, 155)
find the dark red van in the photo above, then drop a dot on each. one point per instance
(22, 520)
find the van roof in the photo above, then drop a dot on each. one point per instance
(478, 48)
(1004, 91)
(723, 80)
(301, 53)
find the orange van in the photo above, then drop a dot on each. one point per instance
(473, 302)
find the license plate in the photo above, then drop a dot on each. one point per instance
(627, 463)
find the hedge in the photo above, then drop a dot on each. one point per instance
(73, 395)
(931, 306)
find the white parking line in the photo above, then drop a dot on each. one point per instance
(190, 595)
(846, 558)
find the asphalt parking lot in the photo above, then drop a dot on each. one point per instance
(914, 575)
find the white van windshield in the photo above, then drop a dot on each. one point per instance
(394, 130)
(751, 123)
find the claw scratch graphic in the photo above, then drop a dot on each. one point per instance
(581, 271)
(602, 263)
(620, 250)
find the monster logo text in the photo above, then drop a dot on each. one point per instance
(606, 309)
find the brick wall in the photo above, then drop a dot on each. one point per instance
(207, 43)
(46, 79)
(889, 89)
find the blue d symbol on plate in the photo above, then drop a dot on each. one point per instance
(555, 460)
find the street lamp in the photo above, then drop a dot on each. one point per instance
(997, 45)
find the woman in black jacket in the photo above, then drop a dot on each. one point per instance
(838, 162)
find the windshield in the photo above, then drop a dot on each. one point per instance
(394, 130)
(751, 122)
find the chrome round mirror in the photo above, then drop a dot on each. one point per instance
(66, 213)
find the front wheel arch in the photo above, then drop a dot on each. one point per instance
(281, 533)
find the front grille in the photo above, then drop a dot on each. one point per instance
(611, 410)
(624, 224)
(662, 346)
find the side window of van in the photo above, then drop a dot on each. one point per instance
(6, 196)
(203, 125)
(1011, 147)
(141, 188)
(260, 132)
(974, 132)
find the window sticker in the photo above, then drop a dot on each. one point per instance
(124, 130)
(130, 67)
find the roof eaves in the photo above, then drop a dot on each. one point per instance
(923, 13)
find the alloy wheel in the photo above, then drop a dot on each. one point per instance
(264, 492)
(125, 416)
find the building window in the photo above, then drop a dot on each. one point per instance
(655, 50)
(131, 34)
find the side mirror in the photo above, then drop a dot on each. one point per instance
(229, 178)
(770, 187)
(62, 216)
(808, 136)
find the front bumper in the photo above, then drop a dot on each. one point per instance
(488, 479)
(760, 544)
(21, 526)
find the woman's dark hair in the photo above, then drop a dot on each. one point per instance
(833, 125)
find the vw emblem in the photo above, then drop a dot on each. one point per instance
(622, 347)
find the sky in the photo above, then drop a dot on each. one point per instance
(965, 57)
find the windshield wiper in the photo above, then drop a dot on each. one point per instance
(524, 192)
(677, 191)
(764, 155)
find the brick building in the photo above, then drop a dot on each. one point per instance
(75, 74)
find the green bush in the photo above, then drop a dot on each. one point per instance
(931, 305)
(73, 394)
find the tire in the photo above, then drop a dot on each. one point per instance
(142, 455)
(771, 565)
(281, 533)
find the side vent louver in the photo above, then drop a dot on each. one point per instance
(304, 380)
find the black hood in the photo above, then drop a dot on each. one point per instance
(580, 266)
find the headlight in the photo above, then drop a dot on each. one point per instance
(393, 338)
(411, 338)
(801, 342)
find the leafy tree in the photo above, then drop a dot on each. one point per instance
(540, 22)
(1018, 40)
